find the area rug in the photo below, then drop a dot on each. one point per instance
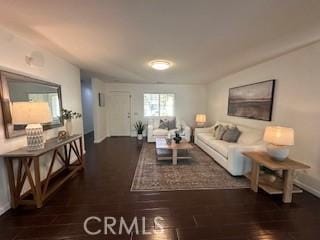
(199, 173)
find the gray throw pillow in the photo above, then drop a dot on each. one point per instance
(231, 135)
(172, 124)
(164, 124)
(220, 131)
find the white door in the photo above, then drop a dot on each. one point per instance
(120, 114)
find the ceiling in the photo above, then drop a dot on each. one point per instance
(206, 39)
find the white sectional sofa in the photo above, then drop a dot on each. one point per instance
(228, 155)
(154, 130)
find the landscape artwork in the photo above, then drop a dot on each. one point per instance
(252, 101)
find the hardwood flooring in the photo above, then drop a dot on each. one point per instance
(103, 189)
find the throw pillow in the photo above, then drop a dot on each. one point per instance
(231, 135)
(220, 131)
(172, 124)
(164, 124)
(215, 130)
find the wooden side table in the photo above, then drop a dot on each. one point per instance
(28, 162)
(288, 167)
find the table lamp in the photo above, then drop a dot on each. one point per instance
(33, 114)
(279, 139)
(201, 120)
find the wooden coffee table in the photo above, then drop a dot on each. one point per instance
(172, 151)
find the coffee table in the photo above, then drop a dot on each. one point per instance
(172, 151)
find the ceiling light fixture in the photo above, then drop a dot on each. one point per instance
(160, 64)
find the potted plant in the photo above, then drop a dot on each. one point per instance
(68, 115)
(139, 126)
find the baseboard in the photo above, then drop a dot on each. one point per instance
(307, 188)
(5, 207)
(100, 139)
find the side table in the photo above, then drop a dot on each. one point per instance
(288, 167)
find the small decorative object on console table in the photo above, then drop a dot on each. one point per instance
(279, 186)
(201, 120)
(33, 114)
(139, 126)
(177, 137)
(62, 135)
(68, 115)
(27, 171)
(279, 139)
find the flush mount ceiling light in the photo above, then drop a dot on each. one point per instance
(160, 64)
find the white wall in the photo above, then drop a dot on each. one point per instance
(189, 99)
(12, 58)
(296, 104)
(99, 113)
(87, 103)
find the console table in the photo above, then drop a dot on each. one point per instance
(288, 167)
(21, 162)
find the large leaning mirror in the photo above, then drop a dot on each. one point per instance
(18, 88)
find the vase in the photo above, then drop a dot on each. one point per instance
(69, 127)
(177, 138)
(140, 136)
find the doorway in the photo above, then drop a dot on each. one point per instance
(120, 114)
(87, 105)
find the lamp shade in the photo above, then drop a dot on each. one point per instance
(31, 113)
(281, 136)
(201, 118)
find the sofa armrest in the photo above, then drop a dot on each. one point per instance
(201, 130)
(237, 161)
(149, 132)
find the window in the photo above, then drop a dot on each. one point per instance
(158, 104)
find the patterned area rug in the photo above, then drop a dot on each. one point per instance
(200, 172)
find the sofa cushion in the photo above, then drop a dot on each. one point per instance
(214, 129)
(172, 124)
(164, 124)
(155, 121)
(220, 132)
(249, 135)
(160, 132)
(205, 137)
(231, 135)
(220, 146)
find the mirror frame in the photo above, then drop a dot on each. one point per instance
(5, 101)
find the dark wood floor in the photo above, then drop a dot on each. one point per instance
(103, 189)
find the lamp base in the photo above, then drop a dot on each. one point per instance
(278, 152)
(35, 139)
